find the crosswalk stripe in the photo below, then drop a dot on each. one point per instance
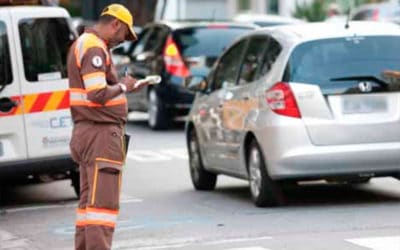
(158, 155)
(9, 241)
(378, 243)
(175, 243)
(248, 248)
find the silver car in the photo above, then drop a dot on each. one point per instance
(299, 102)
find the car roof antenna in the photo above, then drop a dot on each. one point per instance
(348, 18)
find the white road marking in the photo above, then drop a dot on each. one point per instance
(158, 155)
(248, 248)
(148, 156)
(38, 207)
(219, 242)
(180, 153)
(9, 241)
(378, 243)
(125, 199)
(150, 244)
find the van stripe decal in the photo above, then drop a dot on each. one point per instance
(64, 104)
(42, 102)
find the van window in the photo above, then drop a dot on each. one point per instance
(5, 60)
(45, 43)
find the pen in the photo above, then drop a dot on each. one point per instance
(126, 71)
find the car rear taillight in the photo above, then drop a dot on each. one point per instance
(174, 63)
(280, 99)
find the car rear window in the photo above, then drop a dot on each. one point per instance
(206, 41)
(338, 65)
(45, 43)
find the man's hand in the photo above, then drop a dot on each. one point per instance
(129, 83)
(133, 85)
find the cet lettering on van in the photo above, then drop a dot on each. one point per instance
(61, 122)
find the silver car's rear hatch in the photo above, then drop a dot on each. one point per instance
(347, 92)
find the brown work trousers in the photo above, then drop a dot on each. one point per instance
(100, 152)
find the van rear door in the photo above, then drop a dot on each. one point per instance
(44, 36)
(12, 130)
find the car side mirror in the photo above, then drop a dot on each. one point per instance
(145, 56)
(196, 83)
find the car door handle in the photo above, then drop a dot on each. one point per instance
(6, 104)
(246, 98)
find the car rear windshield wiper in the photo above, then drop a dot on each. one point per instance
(361, 78)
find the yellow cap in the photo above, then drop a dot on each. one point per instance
(121, 13)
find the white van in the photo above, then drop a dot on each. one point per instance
(35, 120)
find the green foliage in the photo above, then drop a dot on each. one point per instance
(312, 12)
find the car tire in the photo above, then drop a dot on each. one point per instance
(264, 191)
(75, 182)
(158, 117)
(201, 178)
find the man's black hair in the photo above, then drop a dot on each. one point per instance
(104, 19)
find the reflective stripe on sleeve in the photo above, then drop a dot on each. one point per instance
(78, 97)
(94, 81)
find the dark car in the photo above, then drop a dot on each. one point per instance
(173, 50)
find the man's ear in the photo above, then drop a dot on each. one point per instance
(116, 24)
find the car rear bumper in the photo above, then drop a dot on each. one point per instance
(289, 153)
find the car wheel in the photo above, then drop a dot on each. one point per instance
(158, 117)
(264, 191)
(201, 178)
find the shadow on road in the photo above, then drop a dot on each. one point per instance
(58, 192)
(318, 195)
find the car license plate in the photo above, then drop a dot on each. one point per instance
(364, 104)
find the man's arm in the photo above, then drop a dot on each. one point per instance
(93, 71)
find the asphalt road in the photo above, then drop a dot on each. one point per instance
(161, 210)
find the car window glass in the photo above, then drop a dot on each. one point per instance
(228, 67)
(206, 43)
(338, 65)
(363, 15)
(140, 44)
(45, 43)
(5, 60)
(270, 55)
(252, 60)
